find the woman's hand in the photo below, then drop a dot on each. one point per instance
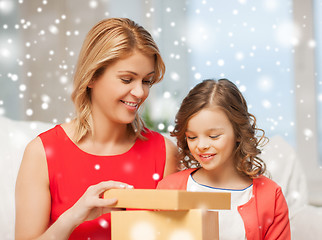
(91, 205)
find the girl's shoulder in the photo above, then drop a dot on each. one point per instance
(177, 180)
(263, 182)
(183, 173)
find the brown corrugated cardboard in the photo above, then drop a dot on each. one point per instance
(194, 224)
(168, 199)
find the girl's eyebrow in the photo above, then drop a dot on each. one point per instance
(209, 130)
(216, 129)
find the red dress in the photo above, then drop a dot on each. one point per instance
(71, 171)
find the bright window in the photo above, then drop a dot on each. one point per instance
(318, 39)
(250, 43)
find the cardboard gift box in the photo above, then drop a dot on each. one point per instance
(168, 199)
(174, 215)
(196, 224)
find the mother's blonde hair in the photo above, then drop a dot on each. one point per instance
(108, 41)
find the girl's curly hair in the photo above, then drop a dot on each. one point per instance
(224, 94)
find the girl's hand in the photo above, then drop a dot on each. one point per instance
(91, 205)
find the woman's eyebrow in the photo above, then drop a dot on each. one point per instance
(134, 73)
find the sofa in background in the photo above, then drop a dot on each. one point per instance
(280, 157)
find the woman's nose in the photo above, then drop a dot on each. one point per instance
(138, 90)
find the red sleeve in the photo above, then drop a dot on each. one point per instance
(280, 228)
(167, 183)
(176, 180)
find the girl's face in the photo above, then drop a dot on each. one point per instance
(211, 140)
(118, 93)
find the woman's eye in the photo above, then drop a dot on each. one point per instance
(147, 82)
(126, 80)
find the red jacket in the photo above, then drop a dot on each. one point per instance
(265, 215)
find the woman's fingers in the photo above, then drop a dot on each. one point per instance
(110, 202)
(95, 193)
(91, 205)
(103, 186)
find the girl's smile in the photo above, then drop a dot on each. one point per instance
(211, 140)
(206, 157)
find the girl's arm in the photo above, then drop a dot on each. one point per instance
(280, 228)
(33, 200)
(171, 164)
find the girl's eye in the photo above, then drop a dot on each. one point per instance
(191, 138)
(214, 136)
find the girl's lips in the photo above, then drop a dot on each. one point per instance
(206, 157)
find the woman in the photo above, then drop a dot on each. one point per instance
(65, 170)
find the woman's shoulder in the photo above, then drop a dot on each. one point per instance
(34, 155)
(35, 145)
(152, 138)
(156, 136)
(50, 131)
(146, 132)
(65, 130)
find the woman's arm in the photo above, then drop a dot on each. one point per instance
(171, 164)
(33, 200)
(32, 193)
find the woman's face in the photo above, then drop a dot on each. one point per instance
(211, 140)
(118, 93)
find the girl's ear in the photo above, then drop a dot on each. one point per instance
(238, 138)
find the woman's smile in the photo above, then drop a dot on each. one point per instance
(132, 105)
(118, 93)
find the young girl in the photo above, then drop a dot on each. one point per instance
(65, 170)
(218, 143)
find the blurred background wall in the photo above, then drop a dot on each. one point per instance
(271, 49)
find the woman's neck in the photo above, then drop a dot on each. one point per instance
(105, 138)
(104, 132)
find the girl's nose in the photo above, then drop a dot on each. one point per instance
(203, 145)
